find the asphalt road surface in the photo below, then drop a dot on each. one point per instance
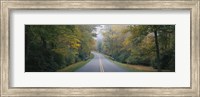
(100, 64)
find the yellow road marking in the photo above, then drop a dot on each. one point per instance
(101, 65)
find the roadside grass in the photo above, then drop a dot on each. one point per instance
(75, 66)
(132, 68)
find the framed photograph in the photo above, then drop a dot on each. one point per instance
(100, 48)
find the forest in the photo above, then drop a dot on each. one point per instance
(52, 47)
(148, 45)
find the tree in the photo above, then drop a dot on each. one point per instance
(161, 30)
(150, 45)
(51, 47)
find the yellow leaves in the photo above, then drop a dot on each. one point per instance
(69, 41)
(75, 45)
(147, 43)
(126, 42)
(67, 44)
(118, 28)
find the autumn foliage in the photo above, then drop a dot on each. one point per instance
(147, 45)
(51, 47)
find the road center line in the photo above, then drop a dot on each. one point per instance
(101, 65)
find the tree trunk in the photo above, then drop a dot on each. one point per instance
(157, 52)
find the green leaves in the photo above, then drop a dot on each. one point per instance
(51, 47)
(135, 44)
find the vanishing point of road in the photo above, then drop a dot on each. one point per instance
(100, 64)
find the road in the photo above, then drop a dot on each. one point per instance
(100, 64)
